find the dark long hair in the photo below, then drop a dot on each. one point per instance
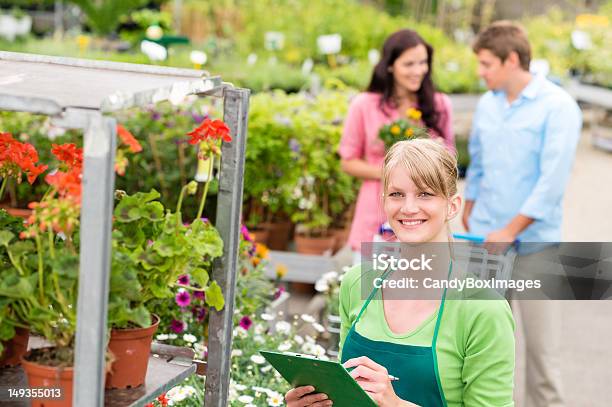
(382, 80)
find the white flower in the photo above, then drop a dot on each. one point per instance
(321, 286)
(266, 369)
(319, 351)
(199, 348)
(283, 327)
(245, 399)
(262, 389)
(308, 348)
(236, 352)
(284, 347)
(240, 332)
(310, 339)
(330, 276)
(307, 318)
(259, 329)
(318, 327)
(275, 399)
(176, 394)
(172, 336)
(189, 338)
(298, 339)
(240, 387)
(267, 317)
(189, 390)
(161, 337)
(258, 339)
(258, 359)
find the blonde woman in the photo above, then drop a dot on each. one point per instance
(445, 353)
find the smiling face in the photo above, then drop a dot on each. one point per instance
(410, 68)
(416, 215)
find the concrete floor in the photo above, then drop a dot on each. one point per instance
(587, 325)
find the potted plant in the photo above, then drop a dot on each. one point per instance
(43, 265)
(152, 248)
(17, 159)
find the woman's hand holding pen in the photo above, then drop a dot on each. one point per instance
(376, 381)
(301, 397)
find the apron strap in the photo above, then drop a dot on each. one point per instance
(441, 309)
(372, 293)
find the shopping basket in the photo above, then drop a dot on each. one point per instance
(484, 265)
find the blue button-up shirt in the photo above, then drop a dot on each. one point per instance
(521, 157)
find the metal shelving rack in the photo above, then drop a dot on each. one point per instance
(82, 94)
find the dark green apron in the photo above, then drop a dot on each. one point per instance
(415, 366)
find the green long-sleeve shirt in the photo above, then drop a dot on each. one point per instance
(475, 345)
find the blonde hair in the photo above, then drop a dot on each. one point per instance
(430, 165)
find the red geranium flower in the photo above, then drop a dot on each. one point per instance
(17, 158)
(68, 153)
(67, 184)
(210, 129)
(128, 139)
(163, 400)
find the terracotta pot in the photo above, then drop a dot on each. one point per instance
(302, 288)
(19, 212)
(15, 348)
(341, 236)
(131, 348)
(49, 376)
(260, 235)
(314, 245)
(279, 234)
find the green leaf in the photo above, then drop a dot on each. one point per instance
(7, 331)
(205, 240)
(200, 276)
(160, 291)
(140, 316)
(6, 237)
(141, 205)
(214, 296)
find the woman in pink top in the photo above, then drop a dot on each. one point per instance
(401, 80)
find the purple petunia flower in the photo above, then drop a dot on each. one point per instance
(246, 323)
(199, 295)
(183, 299)
(201, 314)
(183, 279)
(177, 326)
(155, 116)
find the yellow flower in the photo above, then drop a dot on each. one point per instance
(414, 114)
(261, 250)
(281, 270)
(409, 132)
(395, 130)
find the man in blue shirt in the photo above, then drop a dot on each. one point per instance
(523, 141)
